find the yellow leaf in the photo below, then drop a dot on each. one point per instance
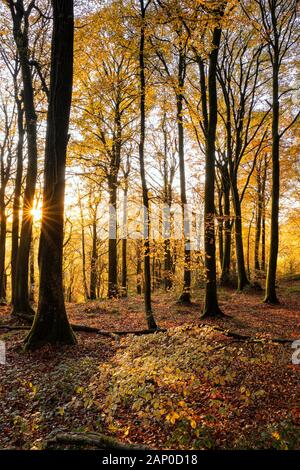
(61, 411)
(193, 423)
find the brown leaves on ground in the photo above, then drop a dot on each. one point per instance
(188, 388)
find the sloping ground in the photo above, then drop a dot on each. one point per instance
(194, 388)
(188, 388)
(246, 312)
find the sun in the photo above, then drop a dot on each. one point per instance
(36, 213)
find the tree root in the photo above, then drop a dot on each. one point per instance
(101, 441)
(90, 329)
(14, 328)
(233, 334)
(23, 316)
(115, 334)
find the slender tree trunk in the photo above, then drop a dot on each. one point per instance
(221, 228)
(94, 260)
(51, 323)
(166, 215)
(21, 294)
(17, 196)
(258, 221)
(225, 275)
(248, 246)
(83, 252)
(270, 294)
(147, 267)
(211, 306)
(3, 223)
(238, 231)
(167, 264)
(139, 268)
(263, 223)
(31, 272)
(153, 261)
(124, 242)
(112, 239)
(185, 297)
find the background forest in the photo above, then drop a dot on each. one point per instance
(149, 176)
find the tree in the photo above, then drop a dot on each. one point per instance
(5, 173)
(211, 306)
(146, 216)
(242, 122)
(106, 96)
(126, 172)
(175, 73)
(20, 17)
(17, 189)
(276, 22)
(51, 323)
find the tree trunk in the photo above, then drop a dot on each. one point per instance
(263, 224)
(83, 252)
(51, 323)
(270, 295)
(211, 306)
(185, 297)
(21, 295)
(31, 272)
(238, 231)
(146, 221)
(112, 239)
(221, 227)
(225, 275)
(258, 220)
(124, 242)
(3, 223)
(139, 268)
(94, 260)
(248, 245)
(17, 196)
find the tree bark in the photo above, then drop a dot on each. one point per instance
(225, 275)
(94, 260)
(258, 220)
(112, 239)
(17, 196)
(21, 25)
(146, 220)
(263, 224)
(211, 306)
(270, 294)
(51, 323)
(139, 268)
(31, 272)
(83, 252)
(220, 226)
(3, 223)
(124, 241)
(238, 232)
(185, 296)
(168, 179)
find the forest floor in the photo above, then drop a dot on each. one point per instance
(191, 387)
